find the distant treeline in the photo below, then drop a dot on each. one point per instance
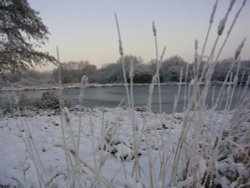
(72, 72)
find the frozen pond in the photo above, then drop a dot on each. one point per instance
(115, 96)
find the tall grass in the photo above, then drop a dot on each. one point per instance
(195, 118)
(193, 161)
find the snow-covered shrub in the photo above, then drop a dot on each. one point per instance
(233, 153)
(16, 103)
(50, 100)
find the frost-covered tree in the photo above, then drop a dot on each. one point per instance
(72, 72)
(170, 69)
(224, 66)
(112, 73)
(21, 33)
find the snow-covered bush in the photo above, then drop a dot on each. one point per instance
(50, 100)
(15, 103)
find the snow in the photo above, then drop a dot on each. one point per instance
(106, 145)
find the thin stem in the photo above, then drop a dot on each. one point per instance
(61, 104)
(122, 60)
(209, 28)
(157, 66)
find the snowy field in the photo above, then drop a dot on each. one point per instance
(107, 149)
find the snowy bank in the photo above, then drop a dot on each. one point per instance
(107, 149)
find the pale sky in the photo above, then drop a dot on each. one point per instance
(86, 30)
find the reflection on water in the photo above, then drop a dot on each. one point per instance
(115, 96)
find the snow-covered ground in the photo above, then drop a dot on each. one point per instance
(107, 149)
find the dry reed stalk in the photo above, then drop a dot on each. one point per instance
(136, 144)
(236, 61)
(206, 74)
(231, 28)
(210, 64)
(155, 80)
(61, 104)
(122, 60)
(209, 28)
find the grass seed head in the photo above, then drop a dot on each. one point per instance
(84, 80)
(120, 48)
(154, 29)
(244, 2)
(213, 12)
(231, 5)
(238, 50)
(221, 25)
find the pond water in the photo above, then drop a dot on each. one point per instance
(115, 96)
